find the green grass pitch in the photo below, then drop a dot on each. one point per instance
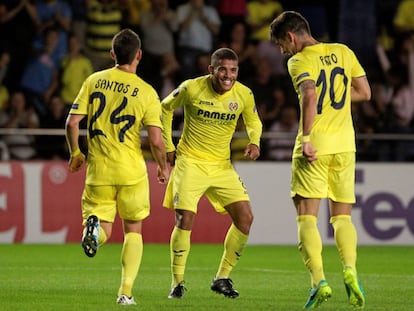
(61, 277)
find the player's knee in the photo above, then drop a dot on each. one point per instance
(184, 219)
(244, 222)
(249, 219)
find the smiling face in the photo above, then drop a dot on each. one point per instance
(224, 74)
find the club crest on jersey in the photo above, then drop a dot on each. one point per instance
(233, 106)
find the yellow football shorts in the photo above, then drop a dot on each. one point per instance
(132, 202)
(331, 176)
(190, 179)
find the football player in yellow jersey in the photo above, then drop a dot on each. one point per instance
(116, 102)
(212, 106)
(327, 78)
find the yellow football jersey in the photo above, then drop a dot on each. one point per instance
(331, 66)
(117, 104)
(210, 119)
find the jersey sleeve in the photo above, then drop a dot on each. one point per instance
(251, 120)
(175, 99)
(152, 116)
(357, 69)
(299, 71)
(80, 104)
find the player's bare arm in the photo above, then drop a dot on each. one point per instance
(309, 101)
(360, 91)
(171, 158)
(77, 158)
(158, 152)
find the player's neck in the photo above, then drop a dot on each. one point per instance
(127, 68)
(309, 41)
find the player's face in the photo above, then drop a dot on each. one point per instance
(224, 75)
(286, 46)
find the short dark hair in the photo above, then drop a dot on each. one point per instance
(288, 21)
(223, 53)
(125, 45)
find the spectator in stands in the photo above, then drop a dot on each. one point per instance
(170, 67)
(238, 40)
(53, 146)
(404, 17)
(17, 32)
(4, 97)
(230, 12)
(266, 49)
(280, 149)
(19, 115)
(199, 26)
(56, 14)
(40, 78)
(132, 11)
(202, 62)
(104, 18)
(370, 118)
(4, 65)
(400, 79)
(260, 14)
(158, 26)
(74, 69)
(79, 21)
(265, 89)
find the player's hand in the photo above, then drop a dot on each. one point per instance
(76, 162)
(252, 152)
(171, 158)
(309, 152)
(163, 175)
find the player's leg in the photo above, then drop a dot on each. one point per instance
(346, 242)
(344, 233)
(229, 195)
(180, 243)
(236, 237)
(308, 185)
(131, 256)
(98, 212)
(186, 185)
(234, 244)
(310, 247)
(309, 238)
(133, 207)
(342, 196)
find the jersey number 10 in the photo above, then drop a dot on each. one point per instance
(332, 96)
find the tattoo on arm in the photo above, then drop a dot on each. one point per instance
(306, 86)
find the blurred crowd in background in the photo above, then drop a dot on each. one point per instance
(48, 48)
